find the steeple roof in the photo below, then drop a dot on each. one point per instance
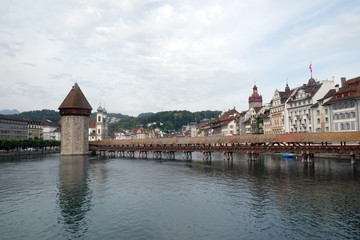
(255, 97)
(75, 103)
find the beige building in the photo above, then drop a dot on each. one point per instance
(277, 110)
(35, 130)
(321, 113)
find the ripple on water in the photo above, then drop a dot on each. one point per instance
(104, 198)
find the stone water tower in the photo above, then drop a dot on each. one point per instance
(75, 111)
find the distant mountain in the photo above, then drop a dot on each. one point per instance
(9, 112)
(145, 114)
(38, 115)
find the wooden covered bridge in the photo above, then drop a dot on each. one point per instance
(304, 144)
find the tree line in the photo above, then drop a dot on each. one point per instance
(166, 121)
(12, 144)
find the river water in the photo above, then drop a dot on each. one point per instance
(92, 197)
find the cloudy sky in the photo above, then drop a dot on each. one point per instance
(137, 56)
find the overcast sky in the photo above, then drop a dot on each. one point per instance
(139, 56)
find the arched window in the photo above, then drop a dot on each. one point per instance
(99, 119)
(99, 131)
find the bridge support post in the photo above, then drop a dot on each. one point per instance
(228, 156)
(307, 157)
(187, 156)
(253, 156)
(170, 155)
(121, 154)
(353, 158)
(130, 154)
(311, 158)
(157, 154)
(206, 156)
(143, 154)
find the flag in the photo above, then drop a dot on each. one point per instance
(310, 67)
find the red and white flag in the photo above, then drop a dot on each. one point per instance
(310, 67)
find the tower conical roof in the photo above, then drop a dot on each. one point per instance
(75, 103)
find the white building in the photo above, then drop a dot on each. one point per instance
(101, 124)
(51, 130)
(299, 113)
(345, 106)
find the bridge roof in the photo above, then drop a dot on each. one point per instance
(241, 139)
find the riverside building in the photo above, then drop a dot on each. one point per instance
(12, 127)
(345, 106)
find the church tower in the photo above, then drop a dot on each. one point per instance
(75, 111)
(255, 100)
(101, 124)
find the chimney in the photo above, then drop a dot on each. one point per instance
(337, 87)
(343, 80)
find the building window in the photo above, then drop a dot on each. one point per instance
(326, 120)
(317, 112)
(326, 111)
(318, 120)
(99, 131)
(327, 129)
(99, 119)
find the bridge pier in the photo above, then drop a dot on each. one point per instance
(170, 155)
(157, 154)
(143, 154)
(121, 154)
(353, 158)
(131, 154)
(307, 157)
(206, 156)
(253, 156)
(187, 156)
(228, 156)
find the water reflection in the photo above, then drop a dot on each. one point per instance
(74, 194)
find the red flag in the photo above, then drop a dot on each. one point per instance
(310, 67)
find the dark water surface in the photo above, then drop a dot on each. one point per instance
(53, 197)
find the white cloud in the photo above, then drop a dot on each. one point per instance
(141, 56)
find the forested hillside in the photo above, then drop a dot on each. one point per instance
(166, 121)
(38, 115)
